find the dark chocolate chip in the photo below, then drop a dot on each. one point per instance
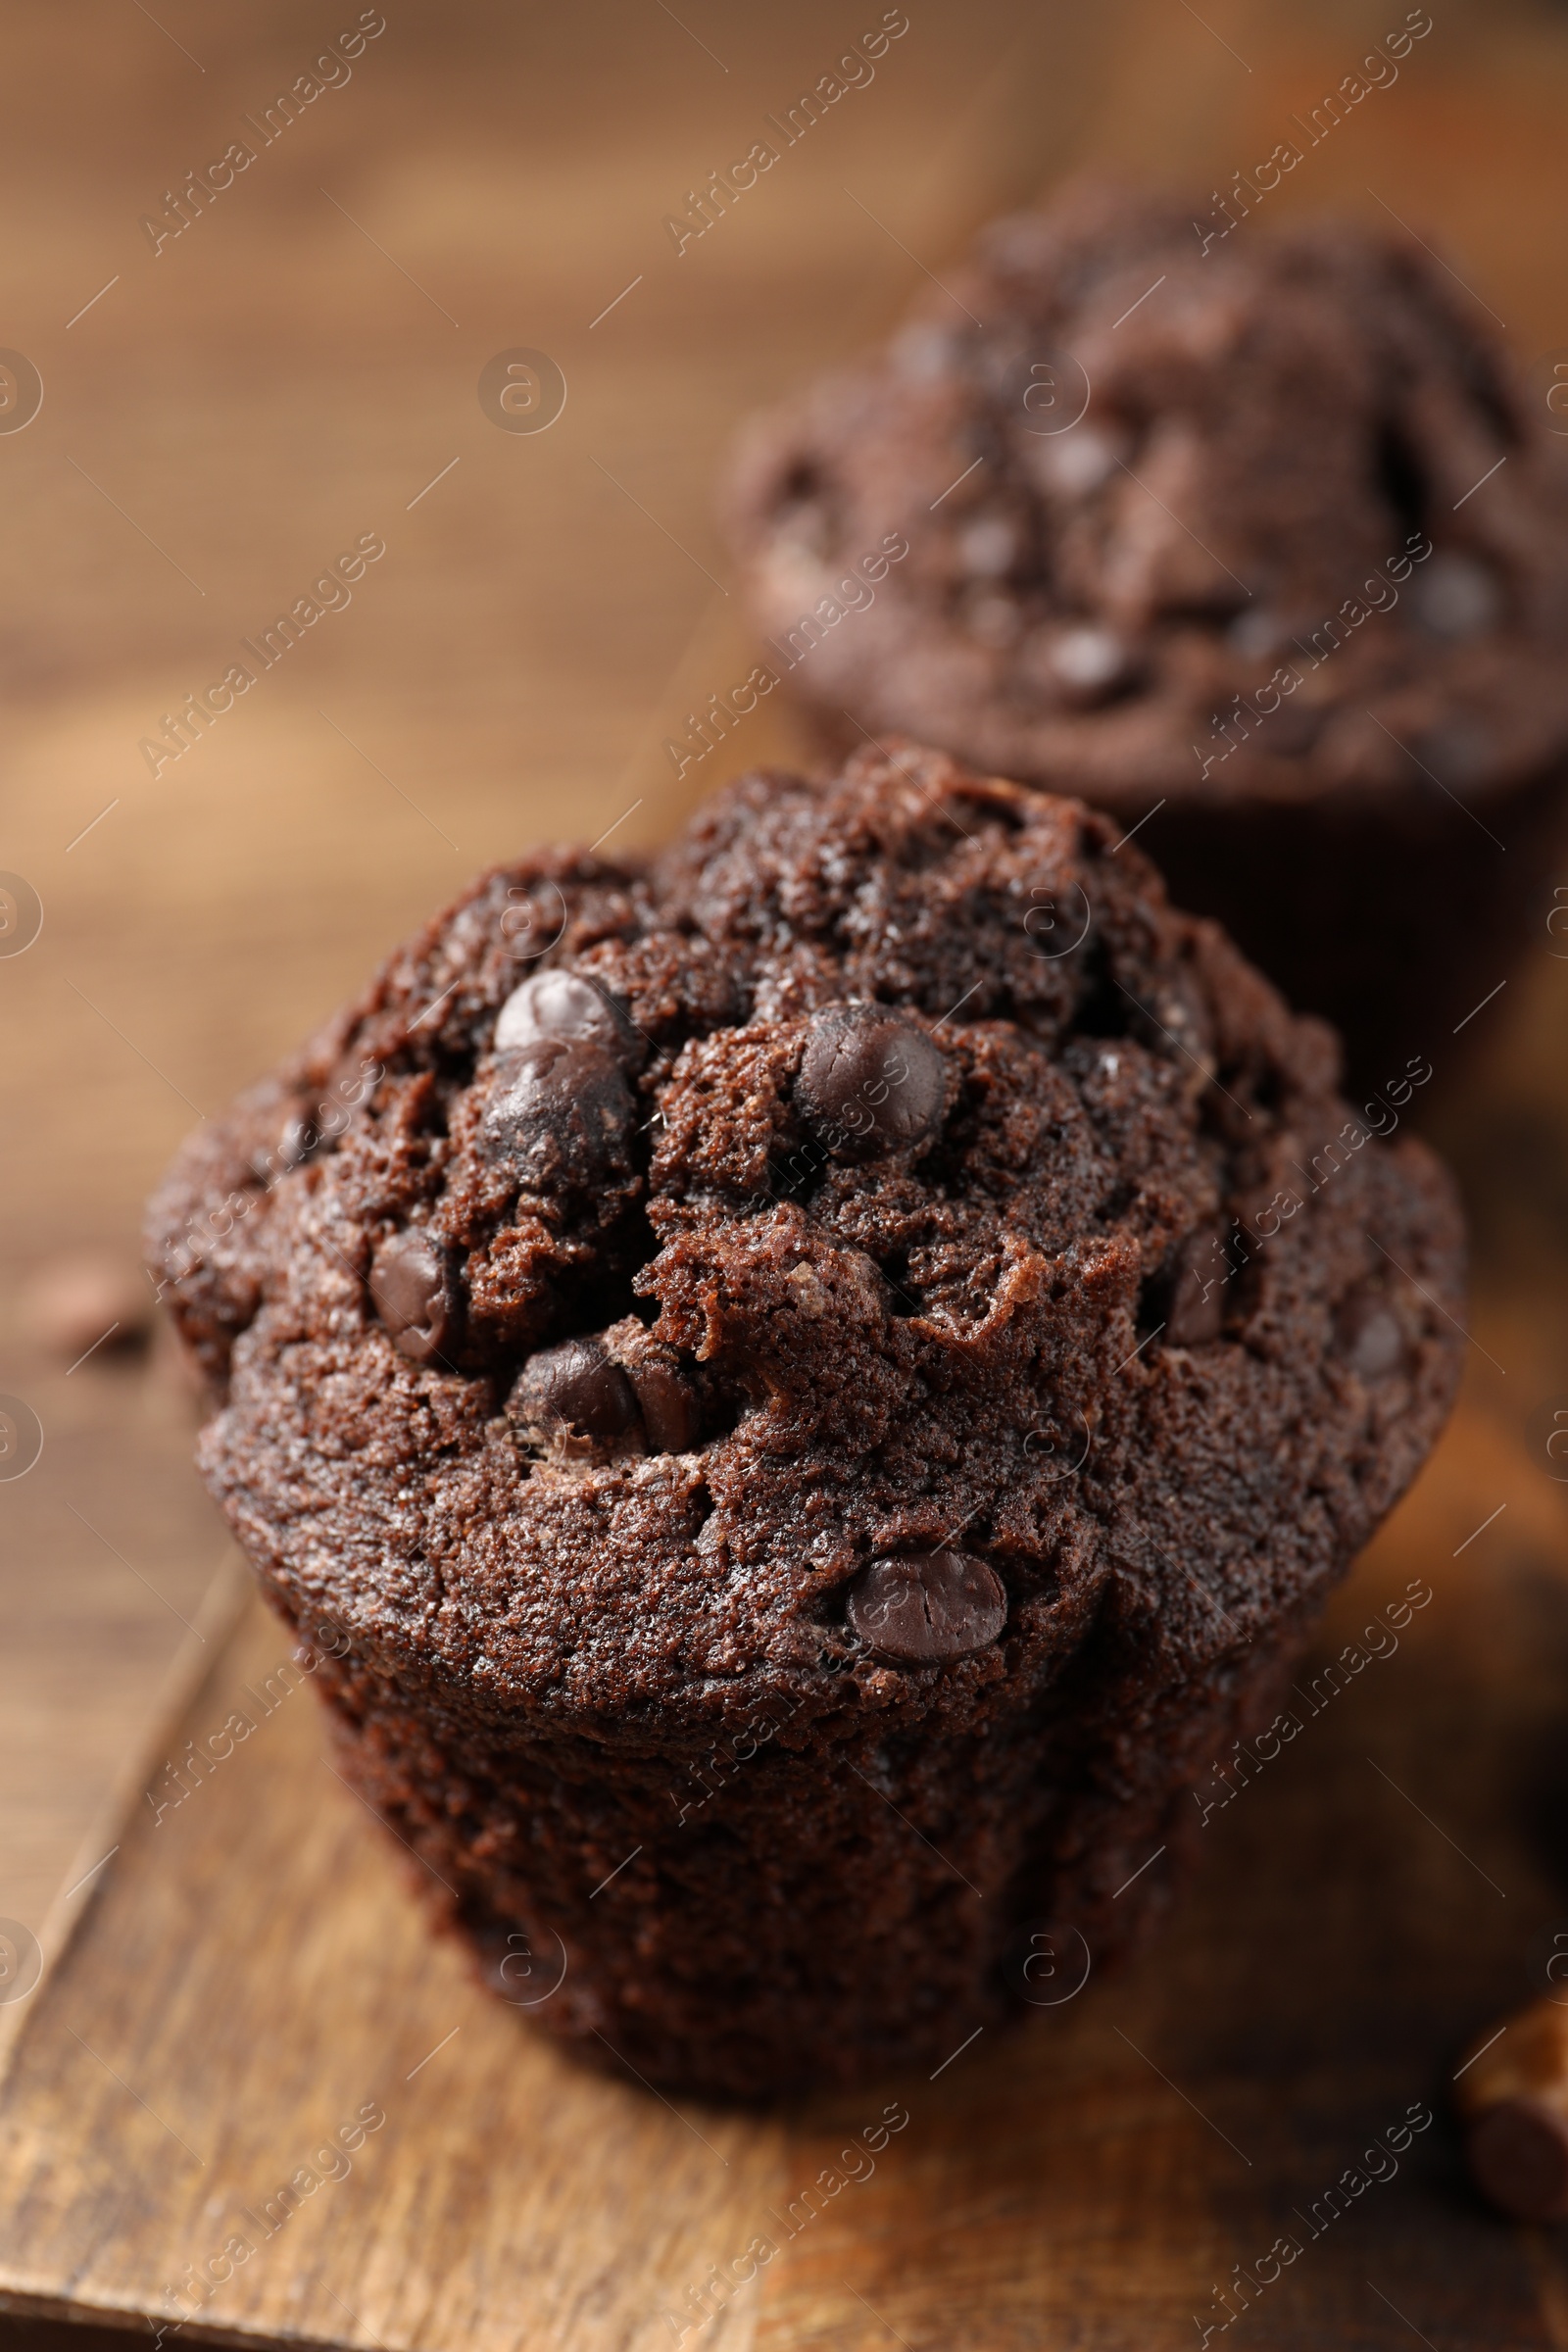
(987, 545)
(669, 1408)
(573, 1387)
(927, 1607)
(870, 1081)
(567, 1005)
(1453, 596)
(561, 1115)
(1518, 2155)
(1259, 633)
(413, 1291)
(298, 1141)
(1088, 665)
(1369, 1335)
(1197, 1310)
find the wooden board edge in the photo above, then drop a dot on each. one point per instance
(16, 2304)
(198, 1659)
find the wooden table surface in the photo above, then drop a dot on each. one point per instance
(300, 365)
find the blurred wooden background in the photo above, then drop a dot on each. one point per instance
(300, 366)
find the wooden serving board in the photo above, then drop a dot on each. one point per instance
(242, 1974)
(246, 2039)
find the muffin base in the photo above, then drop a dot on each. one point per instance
(821, 1913)
(1393, 917)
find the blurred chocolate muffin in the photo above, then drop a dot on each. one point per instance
(1254, 530)
(824, 1384)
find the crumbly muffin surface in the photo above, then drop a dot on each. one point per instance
(1268, 514)
(854, 1267)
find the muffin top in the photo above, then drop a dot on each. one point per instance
(1187, 509)
(866, 1261)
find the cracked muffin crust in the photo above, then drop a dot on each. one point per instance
(820, 1400)
(1256, 524)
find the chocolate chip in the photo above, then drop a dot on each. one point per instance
(573, 1387)
(1453, 596)
(1088, 665)
(1258, 632)
(1369, 1335)
(568, 1005)
(1073, 464)
(298, 1141)
(927, 1607)
(669, 1406)
(1518, 2155)
(870, 1081)
(987, 545)
(1197, 1309)
(561, 1115)
(413, 1294)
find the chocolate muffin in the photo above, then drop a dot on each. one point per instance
(1253, 538)
(824, 1381)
